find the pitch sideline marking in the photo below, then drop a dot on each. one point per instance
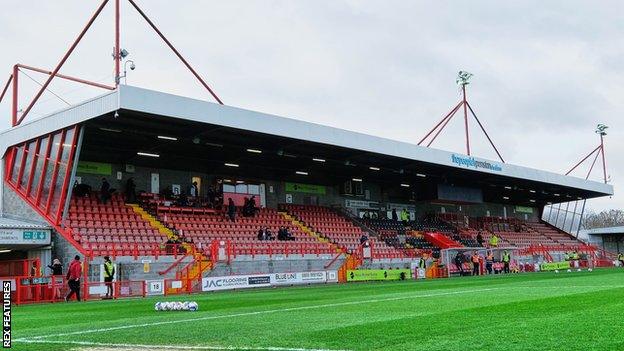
(173, 347)
(243, 314)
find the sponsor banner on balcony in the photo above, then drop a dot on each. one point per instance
(298, 278)
(305, 188)
(551, 266)
(378, 274)
(94, 168)
(524, 209)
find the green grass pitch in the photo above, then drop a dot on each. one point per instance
(536, 311)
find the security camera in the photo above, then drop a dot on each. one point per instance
(132, 66)
(116, 114)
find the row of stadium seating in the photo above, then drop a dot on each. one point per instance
(217, 226)
(100, 226)
(339, 229)
(111, 227)
(512, 231)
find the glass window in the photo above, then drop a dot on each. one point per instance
(253, 189)
(43, 148)
(67, 145)
(30, 155)
(47, 181)
(229, 188)
(57, 191)
(241, 188)
(17, 163)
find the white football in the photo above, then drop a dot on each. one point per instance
(193, 306)
(569, 270)
(158, 306)
(589, 269)
(556, 271)
(578, 270)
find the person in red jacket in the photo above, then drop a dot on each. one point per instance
(73, 278)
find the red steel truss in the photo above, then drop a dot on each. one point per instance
(13, 80)
(39, 171)
(444, 122)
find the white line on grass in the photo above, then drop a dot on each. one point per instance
(172, 347)
(243, 314)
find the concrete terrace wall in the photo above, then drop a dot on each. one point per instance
(13, 206)
(259, 265)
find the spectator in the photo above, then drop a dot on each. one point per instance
(269, 235)
(289, 235)
(57, 270)
(212, 195)
(494, 240)
(231, 209)
(246, 212)
(73, 278)
(489, 262)
(33, 270)
(56, 267)
(621, 259)
(422, 263)
(109, 274)
(506, 261)
(459, 262)
(81, 190)
(130, 191)
(480, 238)
(104, 191)
(194, 191)
(475, 263)
(261, 234)
(364, 241)
(395, 217)
(252, 205)
(282, 234)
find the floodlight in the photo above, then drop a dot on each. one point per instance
(601, 129)
(463, 78)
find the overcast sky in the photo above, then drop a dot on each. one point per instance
(545, 73)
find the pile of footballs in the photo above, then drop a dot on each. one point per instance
(176, 306)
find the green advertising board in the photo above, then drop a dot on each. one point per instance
(94, 168)
(378, 274)
(524, 209)
(551, 266)
(305, 188)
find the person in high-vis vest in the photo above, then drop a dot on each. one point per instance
(494, 240)
(621, 259)
(405, 216)
(506, 261)
(575, 259)
(109, 274)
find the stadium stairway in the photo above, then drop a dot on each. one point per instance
(193, 270)
(304, 228)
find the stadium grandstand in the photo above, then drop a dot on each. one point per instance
(181, 175)
(180, 193)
